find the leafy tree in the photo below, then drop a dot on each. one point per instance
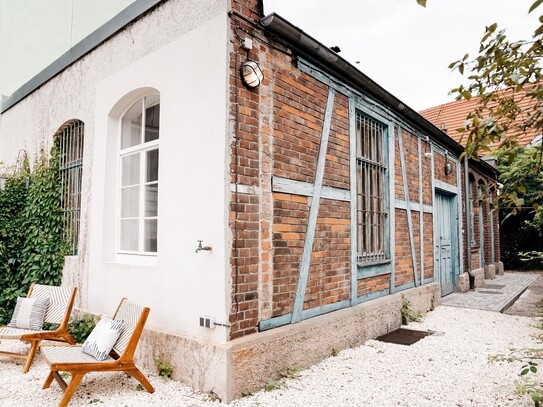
(507, 77)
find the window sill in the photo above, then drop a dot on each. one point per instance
(136, 259)
(374, 269)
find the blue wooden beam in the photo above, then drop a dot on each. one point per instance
(354, 218)
(408, 206)
(313, 211)
(290, 186)
(421, 212)
(308, 313)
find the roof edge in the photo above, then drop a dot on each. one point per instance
(79, 50)
(337, 65)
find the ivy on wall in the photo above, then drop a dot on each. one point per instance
(32, 247)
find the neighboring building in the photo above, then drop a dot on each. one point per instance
(319, 197)
(34, 33)
(451, 116)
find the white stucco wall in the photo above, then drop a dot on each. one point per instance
(180, 49)
(178, 283)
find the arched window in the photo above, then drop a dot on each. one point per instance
(138, 156)
(69, 140)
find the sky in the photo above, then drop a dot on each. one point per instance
(402, 46)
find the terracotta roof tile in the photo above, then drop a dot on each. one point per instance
(451, 116)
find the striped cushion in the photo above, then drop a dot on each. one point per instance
(29, 313)
(102, 338)
(58, 301)
(68, 354)
(130, 313)
(16, 333)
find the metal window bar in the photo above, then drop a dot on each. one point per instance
(70, 142)
(371, 169)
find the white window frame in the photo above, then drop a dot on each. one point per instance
(141, 149)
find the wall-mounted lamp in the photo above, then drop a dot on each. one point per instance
(448, 166)
(251, 74)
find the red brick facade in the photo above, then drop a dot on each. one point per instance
(276, 131)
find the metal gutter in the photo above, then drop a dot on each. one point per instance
(86, 45)
(334, 64)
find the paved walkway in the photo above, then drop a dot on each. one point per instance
(494, 295)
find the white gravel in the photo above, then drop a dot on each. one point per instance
(447, 369)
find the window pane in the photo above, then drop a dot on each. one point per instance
(129, 234)
(152, 120)
(151, 200)
(131, 126)
(131, 170)
(152, 166)
(130, 200)
(150, 235)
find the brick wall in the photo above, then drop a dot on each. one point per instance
(276, 132)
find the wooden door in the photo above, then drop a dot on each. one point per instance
(445, 241)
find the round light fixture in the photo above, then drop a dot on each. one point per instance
(251, 74)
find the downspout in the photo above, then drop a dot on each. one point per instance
(468, 223)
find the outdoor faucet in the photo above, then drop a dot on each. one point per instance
(200, 247)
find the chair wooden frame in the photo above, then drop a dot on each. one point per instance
(60, 334)
(123, 362)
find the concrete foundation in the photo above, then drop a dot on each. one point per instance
(479, 277)
(490, 272)
(499, 268)
(462, 283)
(247, 363)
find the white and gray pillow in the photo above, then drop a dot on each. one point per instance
(29, 313)
(103, 338)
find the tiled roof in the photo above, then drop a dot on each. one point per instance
(451, 116)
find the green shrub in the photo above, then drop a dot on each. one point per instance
(81, 328)
(32, 246)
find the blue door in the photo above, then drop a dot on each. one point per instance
(445, 241)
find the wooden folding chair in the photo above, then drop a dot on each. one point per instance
(71, 359)
(61, 302)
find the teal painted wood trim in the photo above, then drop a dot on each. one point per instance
(275, 322)
(445, 187)
(375, 270)
(324, 309)
(392, 214)
(415, 206)
(421, 212)
(373, 108)
(491, 220)
(352, 177)
(407, 201)
(308, 313)
(434, 218)
(460, 235)
(290, 186)
(313, 211)
(405, 286)
(372, 296)
(428, 281)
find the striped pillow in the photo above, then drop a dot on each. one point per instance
(103, 338)
(29, 313)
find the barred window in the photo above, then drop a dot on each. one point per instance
(372, 190)
(69, 140)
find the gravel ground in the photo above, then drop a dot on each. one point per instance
(449, 368)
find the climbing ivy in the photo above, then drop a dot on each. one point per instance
(32, 247)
